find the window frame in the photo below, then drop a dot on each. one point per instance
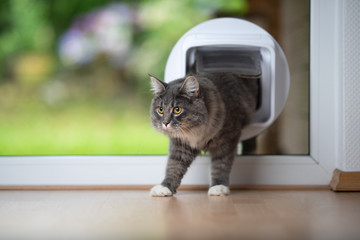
(313, 169)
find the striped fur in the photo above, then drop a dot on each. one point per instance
(214, 109)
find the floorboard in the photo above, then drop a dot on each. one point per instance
(130, 214)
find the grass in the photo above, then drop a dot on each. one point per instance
(80, 128)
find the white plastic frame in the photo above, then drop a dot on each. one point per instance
(228, 33)
(313, 169)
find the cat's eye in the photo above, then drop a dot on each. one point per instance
(161, 110)
(177, 110)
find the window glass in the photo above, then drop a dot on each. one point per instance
(74, 74)
(289, 23)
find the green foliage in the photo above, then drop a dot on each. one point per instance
(234, 6)
(163, 23)
(46, 108)
(83, 128)
(23, 22)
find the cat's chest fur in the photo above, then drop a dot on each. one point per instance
(215, 107)
(202, 137)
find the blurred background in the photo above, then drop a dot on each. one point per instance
(74, 73)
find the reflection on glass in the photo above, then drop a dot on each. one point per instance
(73, 74)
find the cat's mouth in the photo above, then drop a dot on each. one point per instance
(170, 129)
(176, 131)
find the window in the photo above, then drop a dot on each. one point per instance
(74, 76)
(71, 94)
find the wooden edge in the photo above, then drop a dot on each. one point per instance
(148, 187)
(345, 181)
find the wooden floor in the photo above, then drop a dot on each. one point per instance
(121, 214)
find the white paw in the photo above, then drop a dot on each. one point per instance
(218, 190)
(160, 191)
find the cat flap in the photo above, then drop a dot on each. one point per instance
(245, 61)
(236, 45)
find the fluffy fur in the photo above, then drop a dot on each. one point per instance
(202, 112)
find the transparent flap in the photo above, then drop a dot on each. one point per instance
(246, 62)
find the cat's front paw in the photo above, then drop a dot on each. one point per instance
(160, 191)
(219, 190)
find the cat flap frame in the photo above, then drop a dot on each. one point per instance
(203, 48)
(246, 61)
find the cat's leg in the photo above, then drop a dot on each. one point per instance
(180, 158)
(222, 160)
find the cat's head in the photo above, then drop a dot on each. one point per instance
(178, 107)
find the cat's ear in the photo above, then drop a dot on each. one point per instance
(191, 86)
(158, 86)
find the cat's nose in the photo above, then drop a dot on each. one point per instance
(165, 124)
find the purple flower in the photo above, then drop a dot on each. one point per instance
(107, 32)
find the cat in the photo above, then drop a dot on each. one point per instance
(202, 112)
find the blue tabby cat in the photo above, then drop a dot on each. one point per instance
(202, 112)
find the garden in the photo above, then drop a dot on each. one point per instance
(74, 74)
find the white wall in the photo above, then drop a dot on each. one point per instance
(349, 84)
